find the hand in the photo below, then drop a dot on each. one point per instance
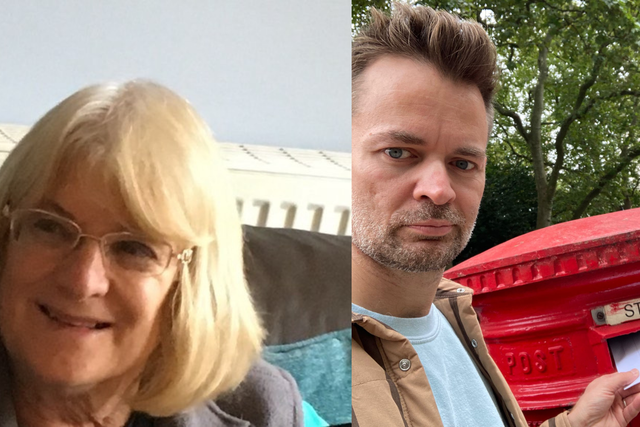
(605, 403)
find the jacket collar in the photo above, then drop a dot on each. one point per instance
(447, 289)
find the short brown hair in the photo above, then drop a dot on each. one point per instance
(461, 50)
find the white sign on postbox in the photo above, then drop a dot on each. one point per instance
(620, 312)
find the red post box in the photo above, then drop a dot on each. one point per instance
(550, 301)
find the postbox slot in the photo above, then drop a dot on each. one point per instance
(625, 351)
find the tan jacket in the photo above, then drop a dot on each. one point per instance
(385, 396)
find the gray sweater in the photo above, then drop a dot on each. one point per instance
(268, 397)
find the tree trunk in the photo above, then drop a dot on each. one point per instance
(545, 202)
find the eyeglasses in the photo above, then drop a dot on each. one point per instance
(55, 236)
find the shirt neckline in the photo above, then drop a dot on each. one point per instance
(417, 330)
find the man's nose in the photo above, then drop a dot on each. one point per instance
(433, 182)
(82, 274)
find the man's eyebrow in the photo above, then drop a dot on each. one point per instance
(471, 152)
(403, 137)
(410, 139)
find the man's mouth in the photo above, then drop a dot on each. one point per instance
(432, 228)
(432, 223)
(72, 321)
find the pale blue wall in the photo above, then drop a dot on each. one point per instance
(260, 72)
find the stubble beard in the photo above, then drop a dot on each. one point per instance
(382, 243)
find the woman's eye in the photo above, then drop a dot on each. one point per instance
(397, 153)
(464, 164)
(50, 226)
(133, 248)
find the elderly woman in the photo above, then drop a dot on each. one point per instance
(122, 295)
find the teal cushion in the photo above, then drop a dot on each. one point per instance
(322, 367)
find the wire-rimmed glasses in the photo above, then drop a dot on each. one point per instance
(55, 236)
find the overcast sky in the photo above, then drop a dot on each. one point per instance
(260, 72)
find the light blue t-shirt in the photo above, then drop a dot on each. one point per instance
(311, 417)
(462, 394)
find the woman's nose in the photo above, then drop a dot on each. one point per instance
(83, 274)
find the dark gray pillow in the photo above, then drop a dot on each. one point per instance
(300, 281)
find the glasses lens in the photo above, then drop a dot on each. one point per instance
(43, 229)
(136, 254)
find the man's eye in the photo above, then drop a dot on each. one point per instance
(464, 165)
(397, 153)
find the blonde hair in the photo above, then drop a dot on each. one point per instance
(161, 156)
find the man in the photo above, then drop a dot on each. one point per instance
(423, 83)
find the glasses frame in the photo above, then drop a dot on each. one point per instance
(185, 256)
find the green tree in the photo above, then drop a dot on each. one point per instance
(508, 208)
(568, 101)
(360, 10)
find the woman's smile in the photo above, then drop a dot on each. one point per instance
(79, 324)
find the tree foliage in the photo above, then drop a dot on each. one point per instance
(567, 109)
(360, 10)
(508, 208)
